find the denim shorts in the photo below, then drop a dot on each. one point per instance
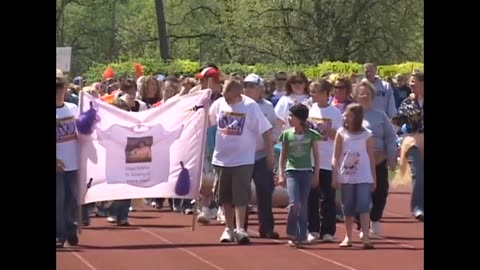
(356, 198)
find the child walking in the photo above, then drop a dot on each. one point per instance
(298, 142)
(354, 170)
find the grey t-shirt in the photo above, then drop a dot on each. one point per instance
(267, 108)
(384, 101)
(384, 137)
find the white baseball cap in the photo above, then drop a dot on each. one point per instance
(254, 78)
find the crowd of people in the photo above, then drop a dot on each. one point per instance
(330, 143)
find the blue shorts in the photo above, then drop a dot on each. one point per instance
(356, 198)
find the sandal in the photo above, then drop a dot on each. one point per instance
(345, 244)
(292, 243)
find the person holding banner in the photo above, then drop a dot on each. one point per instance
(67, 203)
(126, 101)
(239, 121)
(209, 77)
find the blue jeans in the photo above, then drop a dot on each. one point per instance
(264, 186)
(298, 188)
(356, 199)
(66, 204)
(120, 209)
(416, 166)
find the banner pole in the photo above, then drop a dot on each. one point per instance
(206, 110)
(79, 183)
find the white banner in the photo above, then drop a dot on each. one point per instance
(156, 153)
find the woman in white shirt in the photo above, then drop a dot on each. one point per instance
(296, 92)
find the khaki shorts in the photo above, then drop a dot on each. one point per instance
(232, 184)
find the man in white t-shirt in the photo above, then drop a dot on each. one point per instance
(239, 121)
(326, 119)
(67, 167)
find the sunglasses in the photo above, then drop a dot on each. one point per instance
(298, 82)
(339, 87)
(281, 79)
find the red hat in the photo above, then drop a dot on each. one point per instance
(209, 72)
(109, 73)
(139, 70)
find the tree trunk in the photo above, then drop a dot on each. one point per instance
(111, 51)
(62, 26)
(162, 30)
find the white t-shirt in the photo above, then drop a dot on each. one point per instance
(354, 162)
(238, 126)
(67, 139)
(328, 117)
(279, 93)
(142, 105)
(285, 103)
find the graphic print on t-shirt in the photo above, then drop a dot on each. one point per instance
(138, 150)
(321, 125)
(66, 129)
(299, 147)
(231, 123)
(350, 163)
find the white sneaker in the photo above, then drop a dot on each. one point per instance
(242, 237)
(227, 236)
(328, 238)
(221, 215)
(204, 216)
(375, 229)
(311, 237)
(371, 235)
(112, 219)
(213, 213)
(340, 218)
(417, 213)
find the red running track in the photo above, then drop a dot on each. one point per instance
(164, 240)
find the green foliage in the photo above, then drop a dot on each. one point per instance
(153, 65)
(248, 32)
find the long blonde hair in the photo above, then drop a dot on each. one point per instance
(404, 174)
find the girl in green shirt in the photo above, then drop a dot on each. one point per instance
(297, 171)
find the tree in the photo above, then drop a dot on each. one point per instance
(162, 30)
(244, 31)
